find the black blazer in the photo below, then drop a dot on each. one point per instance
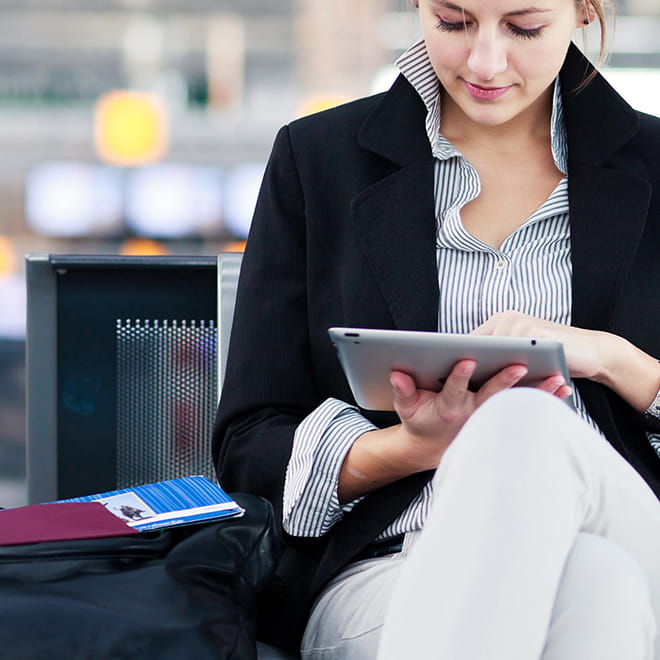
(344, 235)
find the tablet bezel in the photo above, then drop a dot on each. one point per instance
(368, 356)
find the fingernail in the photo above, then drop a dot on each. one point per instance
(469, 368)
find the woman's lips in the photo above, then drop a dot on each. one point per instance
(486, 93)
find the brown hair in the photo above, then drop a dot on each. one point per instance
(602, 8)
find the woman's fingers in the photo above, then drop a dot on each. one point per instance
(564, 392)
(556, 385)
(404, 390)
(456, 389)
(438, 416)
(427, 406)
(457, 384)
(502, 380)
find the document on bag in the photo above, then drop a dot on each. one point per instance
(59, 521)
(179, 501)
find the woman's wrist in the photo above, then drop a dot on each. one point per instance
(378, 458)
(651, 415)
(630, 372)
(612, 350)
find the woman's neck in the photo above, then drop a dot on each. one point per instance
(532, 125)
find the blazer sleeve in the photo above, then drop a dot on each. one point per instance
(269, 385)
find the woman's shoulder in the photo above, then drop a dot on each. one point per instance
(646, 144)
(649, 128)
(338, 119)
(641, 155)
(330, 138)
(640, 152)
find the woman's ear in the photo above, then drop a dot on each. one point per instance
(586, 15)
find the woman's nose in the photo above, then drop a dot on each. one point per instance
(488, 56)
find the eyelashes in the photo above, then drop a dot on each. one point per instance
(534, 33)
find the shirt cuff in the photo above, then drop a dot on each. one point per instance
(320, 444)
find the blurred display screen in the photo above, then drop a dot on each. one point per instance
(640, 87)
(172, 200)
(12, 318)
(162, 201)
(74, 199)
(242, 185)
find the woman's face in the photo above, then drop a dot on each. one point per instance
(496, 58)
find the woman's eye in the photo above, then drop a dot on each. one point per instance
(532, 33)
(459, 26)
(451, 27)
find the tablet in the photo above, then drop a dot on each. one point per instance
(368, 356)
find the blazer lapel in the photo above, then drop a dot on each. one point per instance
(394, 219)
(608, 206)
(608, 210)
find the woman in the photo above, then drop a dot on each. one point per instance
(500, 187)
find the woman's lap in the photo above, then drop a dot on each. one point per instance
(348, 618)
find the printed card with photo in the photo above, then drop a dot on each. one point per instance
(167, 503)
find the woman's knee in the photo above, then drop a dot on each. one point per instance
(603, 607)
(518, 428)
(521, 411)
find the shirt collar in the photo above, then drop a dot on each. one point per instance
(416, 67)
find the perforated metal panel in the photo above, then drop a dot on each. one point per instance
(166, 399)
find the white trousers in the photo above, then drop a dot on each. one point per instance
(541, 543)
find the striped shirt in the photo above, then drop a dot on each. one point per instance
(529, 273)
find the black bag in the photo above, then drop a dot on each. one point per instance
(181, 592)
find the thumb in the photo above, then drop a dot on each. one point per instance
(404, 389)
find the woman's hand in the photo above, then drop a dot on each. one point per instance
(588, 352)
(432, 420)
(429, 423)
(600, 356)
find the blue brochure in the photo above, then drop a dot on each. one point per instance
(167, 503)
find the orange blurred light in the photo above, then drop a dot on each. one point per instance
(130, 128)
(234, 246)
(139, 247)
(320, 102)
(7, 257)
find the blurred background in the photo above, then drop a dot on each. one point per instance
(143, 126)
